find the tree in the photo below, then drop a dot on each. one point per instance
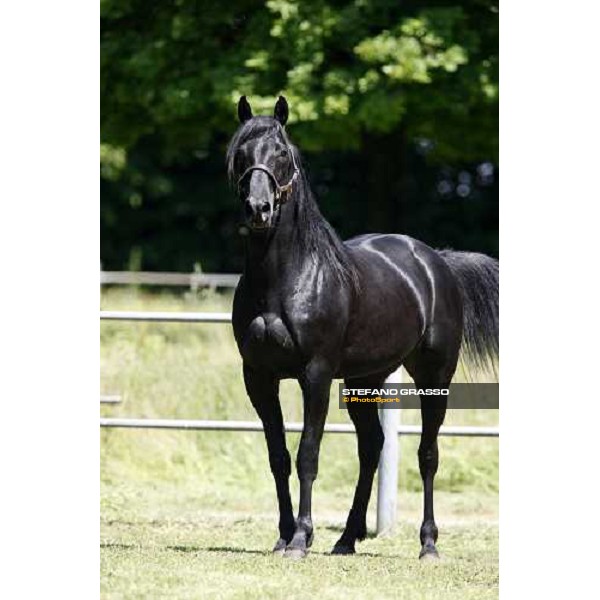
(369, 76)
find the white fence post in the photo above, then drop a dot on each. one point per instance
(387, 478)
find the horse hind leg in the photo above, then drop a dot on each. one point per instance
(431, 369)
(370, 441)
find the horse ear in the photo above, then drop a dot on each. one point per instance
(244, 110)
(281, 110)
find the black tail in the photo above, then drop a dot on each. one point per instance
(478, 276)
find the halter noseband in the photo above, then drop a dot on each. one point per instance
(281, 191)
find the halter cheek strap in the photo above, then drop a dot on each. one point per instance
(281, 191)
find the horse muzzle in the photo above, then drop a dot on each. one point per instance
(259, 213)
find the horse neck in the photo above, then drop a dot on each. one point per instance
(282, 252)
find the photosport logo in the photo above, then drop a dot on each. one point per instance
(407, 395)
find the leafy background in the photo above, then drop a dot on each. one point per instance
(394, 104)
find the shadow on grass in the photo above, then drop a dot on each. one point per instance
(235, 550)
(229, 549)
(340, 528)
(115, 546)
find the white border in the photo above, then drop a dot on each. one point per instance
(49, 442)
(549, 299)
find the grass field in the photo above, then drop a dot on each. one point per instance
(193, 514)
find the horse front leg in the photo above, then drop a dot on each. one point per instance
(263, 390)
(315, 384)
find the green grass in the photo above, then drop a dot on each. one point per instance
(193, 514)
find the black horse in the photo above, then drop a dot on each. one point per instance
(314, 308)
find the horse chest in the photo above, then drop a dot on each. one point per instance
(267, 342)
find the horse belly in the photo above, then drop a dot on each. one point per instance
(267, 343)
(378, 346)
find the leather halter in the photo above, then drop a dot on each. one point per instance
(281, 191)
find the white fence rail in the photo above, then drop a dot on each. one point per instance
(192, 280)
(165, 317)
(110, 399)
(293, 427)
(388, 464)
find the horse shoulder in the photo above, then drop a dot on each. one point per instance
(317, 310)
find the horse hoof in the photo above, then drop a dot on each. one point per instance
(429, 554)
(343, 549)
(279, 548)
(295, 553)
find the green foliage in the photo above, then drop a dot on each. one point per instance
(366, 81)
(177, 69)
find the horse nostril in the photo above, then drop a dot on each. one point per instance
(265, 207)
(248, 209)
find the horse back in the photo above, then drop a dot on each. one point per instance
(400, 282)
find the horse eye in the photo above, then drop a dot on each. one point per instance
(284, 152)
